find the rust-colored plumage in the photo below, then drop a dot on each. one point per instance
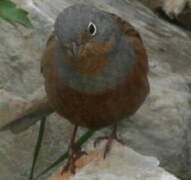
(97, 110)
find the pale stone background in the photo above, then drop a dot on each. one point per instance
(161, 128)
(122, 163)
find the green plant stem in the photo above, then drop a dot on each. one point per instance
(78, 144)
(38, 146)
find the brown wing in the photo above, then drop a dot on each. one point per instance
(50, 44)
(135, 40)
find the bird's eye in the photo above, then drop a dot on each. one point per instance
(92, 29)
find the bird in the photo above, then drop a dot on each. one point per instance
(95, 70)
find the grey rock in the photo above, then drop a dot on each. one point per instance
(122, 163)
(10, 107)
(17, 113)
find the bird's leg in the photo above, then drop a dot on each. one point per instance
(74, 154)
(109, 140)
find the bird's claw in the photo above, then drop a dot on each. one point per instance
(73, 157)
(108, 144)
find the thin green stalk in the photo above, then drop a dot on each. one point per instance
(37, 147)
(78, 144)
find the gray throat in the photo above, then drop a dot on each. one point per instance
(121, 61)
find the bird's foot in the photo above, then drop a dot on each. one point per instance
(109, 142)
(74, 154)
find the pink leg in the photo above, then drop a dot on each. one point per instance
(110, 139)
(74, 154)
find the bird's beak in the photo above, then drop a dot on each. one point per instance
(74, 48)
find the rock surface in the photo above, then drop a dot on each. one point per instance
(122, 163)
(161, 128)
(175, 11)
(10, 107)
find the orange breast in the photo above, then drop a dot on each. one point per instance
(98, 110)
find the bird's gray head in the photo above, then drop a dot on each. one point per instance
(93, 54)
(81, 24)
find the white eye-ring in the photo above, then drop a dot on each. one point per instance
(92, 29)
